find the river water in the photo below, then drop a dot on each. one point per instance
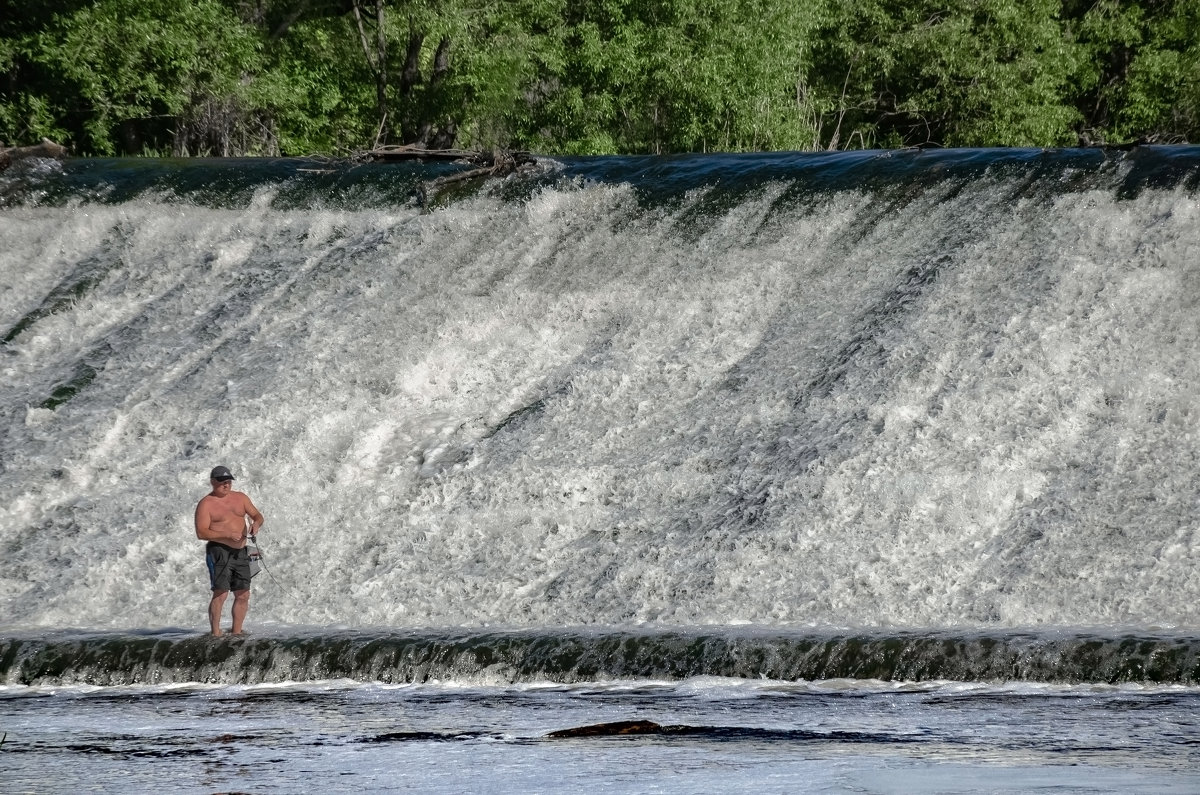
(866, 472)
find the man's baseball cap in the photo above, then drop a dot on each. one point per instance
(221, 473)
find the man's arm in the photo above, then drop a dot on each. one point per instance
(256, 518)
(203, 521)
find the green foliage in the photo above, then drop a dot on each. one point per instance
(949, 72)
(1146, 84)
(318, 89)
(496, 52)
(597, 76)
(502, 55)
(673, 75)
(115, 63)
(1001, 75)
(26, 117)
(727, 76)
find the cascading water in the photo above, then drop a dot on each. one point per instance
(906, 390)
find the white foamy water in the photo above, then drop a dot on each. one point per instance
(971, 408)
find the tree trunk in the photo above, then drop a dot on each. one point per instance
(376, 61)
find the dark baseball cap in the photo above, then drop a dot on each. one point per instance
(221, 473)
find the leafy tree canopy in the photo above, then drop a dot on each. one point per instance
(595, 76)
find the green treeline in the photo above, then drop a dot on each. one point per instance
(297, 77)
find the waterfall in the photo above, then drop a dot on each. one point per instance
(912, 389)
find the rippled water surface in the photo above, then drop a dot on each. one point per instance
(833, 736)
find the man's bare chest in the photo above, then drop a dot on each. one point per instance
(225, 510)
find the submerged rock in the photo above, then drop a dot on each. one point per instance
(610, 729)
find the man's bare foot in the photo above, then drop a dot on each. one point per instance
(217, 634)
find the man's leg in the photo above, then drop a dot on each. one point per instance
(241, 606)
(215, 606)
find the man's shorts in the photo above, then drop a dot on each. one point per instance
(228, 568)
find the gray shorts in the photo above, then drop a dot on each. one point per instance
(228, 568)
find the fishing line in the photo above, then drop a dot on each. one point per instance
(262, 561)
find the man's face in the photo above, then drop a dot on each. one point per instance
(221, 487)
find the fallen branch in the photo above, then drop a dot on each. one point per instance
(46, 148)
(419, 152)
(488, 164)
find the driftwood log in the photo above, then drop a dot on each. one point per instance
(419, 152)
(46, 148)
(487, 164)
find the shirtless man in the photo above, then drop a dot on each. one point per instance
(221, 521)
